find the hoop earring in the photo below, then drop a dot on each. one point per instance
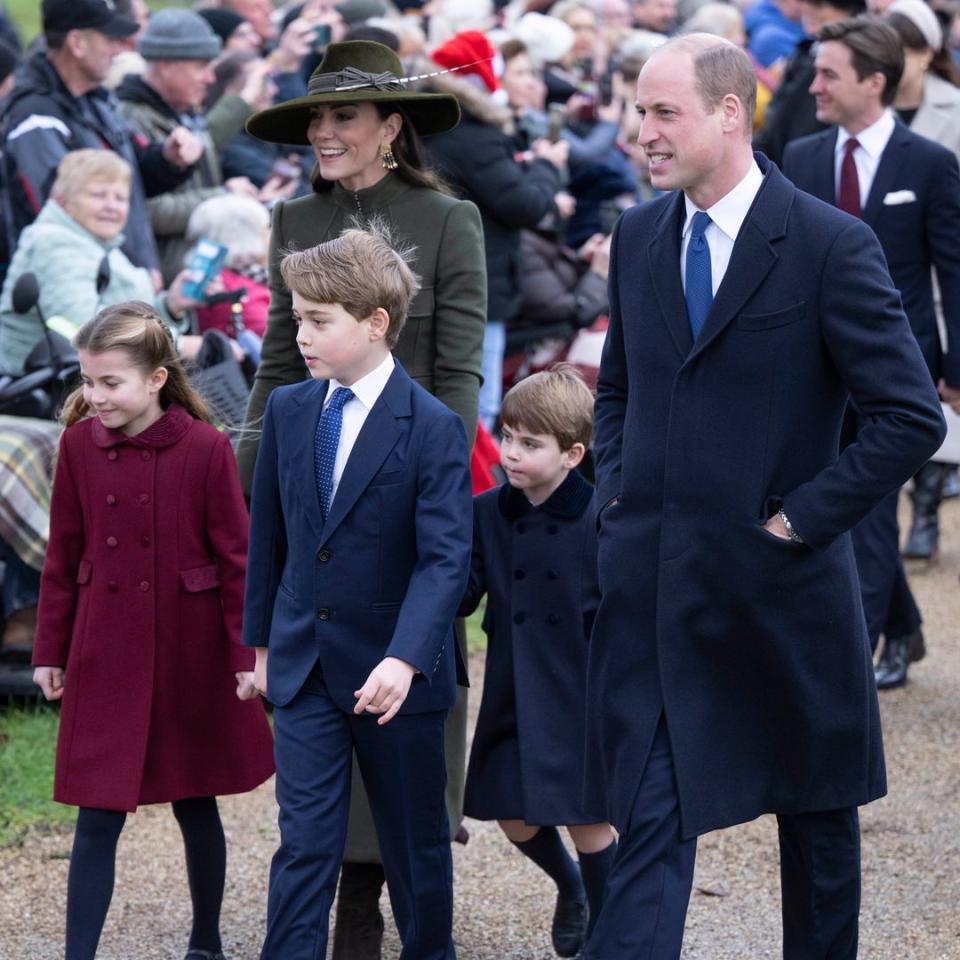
(387, 158)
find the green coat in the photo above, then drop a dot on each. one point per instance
(440, 347)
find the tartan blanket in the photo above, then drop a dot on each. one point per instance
(27, 449)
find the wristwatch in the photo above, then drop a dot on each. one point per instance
(791, 533)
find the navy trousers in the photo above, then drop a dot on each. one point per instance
(403, 770)
(888, 603)
(649, 886)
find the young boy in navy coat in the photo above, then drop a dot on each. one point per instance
(535, 556)
(359, 555)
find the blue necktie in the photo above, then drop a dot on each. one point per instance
(699, 292)
(325, 445)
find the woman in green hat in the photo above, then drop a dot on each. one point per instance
(364, 121)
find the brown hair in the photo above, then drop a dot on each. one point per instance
(512, 47)
(408, 151)
(910, 36)
(361, 270)
(556, 402)
(874, 47)
(136, 328)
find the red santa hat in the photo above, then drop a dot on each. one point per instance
(472, 51)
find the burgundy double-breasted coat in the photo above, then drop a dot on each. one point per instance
(141, 600)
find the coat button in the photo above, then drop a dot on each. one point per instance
(518, 618)
(324, 555)
(143, 498)
(144, 541)
(323, 613)
(144, 586)
(111, 454)
(553, 619)
(552, 574)
(111, 541)
(551, 528)
(518, 574)
(113, 586)
(111, 499)
(145, 454)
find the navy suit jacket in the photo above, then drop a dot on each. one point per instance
(915, 234)
(384, 574)
(754, 647)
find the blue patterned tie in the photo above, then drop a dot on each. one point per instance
(325, 445)
(699, 292)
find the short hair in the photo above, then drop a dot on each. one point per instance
(556, 402)
(874, 47)
(361, 270)
(512, 47)
(720, 68)
(720, 19)
(80, 166)
(234, 221)
(564, 8)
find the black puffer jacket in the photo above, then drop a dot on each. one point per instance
(477, 160)
(42, 121)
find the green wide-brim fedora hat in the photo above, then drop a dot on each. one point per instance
(355, 71)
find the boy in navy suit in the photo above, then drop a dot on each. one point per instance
(535, 557)
(359, 554)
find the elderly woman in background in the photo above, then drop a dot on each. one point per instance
(77, 228)
(365, 132)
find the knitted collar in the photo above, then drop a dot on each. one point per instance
(165, 432)
(567, 502)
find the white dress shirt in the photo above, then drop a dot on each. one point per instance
(366, 392)
(727, 216)
(873, 141)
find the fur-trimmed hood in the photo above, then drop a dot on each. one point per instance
(473, 101)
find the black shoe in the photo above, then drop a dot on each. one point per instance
(204, 955)
(569, 926)
(462, 836)
(917, 648)
(924, 536)
(891, 671)
(358, 928)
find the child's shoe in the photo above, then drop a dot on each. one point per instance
(569, 926)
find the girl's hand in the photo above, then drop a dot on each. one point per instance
(386, 689)
(260, 672)
(246, 690)
(50, 681)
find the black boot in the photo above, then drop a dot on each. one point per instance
(891, 671)
(924, 536)
(358, 929)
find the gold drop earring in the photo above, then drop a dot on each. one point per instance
(387, 158)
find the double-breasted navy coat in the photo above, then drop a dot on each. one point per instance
(538, 568)
(754, 647)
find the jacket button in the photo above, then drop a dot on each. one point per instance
(111, 541)
(323, 613)
(143, 498)
(144, 454)
(145, 541)
(113, 586)
(518, 574)
(518, 618)
(324, 555)
(553, 619)
(552, 574)
(144, 586)
(111, 454)
(111, 499)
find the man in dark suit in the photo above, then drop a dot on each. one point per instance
(729, 671)
(907, 189)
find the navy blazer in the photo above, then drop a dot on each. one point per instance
(915, 234)
(383, 576)
(754, 647)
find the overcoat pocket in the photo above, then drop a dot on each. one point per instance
(200, 578)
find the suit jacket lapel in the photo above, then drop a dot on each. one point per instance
(664, 259)
(303, 427)
(892, 160)
(381, 430)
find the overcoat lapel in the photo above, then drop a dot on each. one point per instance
(664, 259)
(894, 157)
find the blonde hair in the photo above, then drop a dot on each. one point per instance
(136, 328)
(360, 270)
(79, 167)
(556, 402)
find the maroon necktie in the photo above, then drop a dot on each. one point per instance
(848, 196)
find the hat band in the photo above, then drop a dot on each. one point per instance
(350, 78)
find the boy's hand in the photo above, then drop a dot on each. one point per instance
(246, 689)
(386, 689)
(260, 672)
(50, 681)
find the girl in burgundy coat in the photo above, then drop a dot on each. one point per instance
(139, 621)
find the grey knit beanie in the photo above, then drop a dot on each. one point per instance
(177, 34)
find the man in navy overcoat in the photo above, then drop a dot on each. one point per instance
(729, 672)
(907, 189)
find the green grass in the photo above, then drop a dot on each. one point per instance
(476, 638)
(28, 738)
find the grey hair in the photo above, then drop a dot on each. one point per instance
(236, 222)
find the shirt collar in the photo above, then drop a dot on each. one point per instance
(369, 387)
(729, 212)
(873, 140)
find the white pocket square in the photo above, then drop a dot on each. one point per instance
(899, 196)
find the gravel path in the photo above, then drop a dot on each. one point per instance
(911, 852)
